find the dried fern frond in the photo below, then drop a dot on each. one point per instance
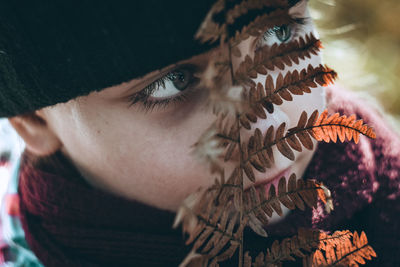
(330, 128)
(345, 252)
(293, 193)
(267, 58)
(322, 128)
(338, 250)
(228, 133)
(305, 241)
(327, 241)
(293, 83)
(297, 83)
(214, 218)
(214, 228)
(257, 152)
(232, 189)
(218, 141)
(289, 53)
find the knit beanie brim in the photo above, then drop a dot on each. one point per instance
(53, 51)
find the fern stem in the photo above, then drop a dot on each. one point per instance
(334, 124)
(241, 195)
(222, 136)
(334, 237)
(283, 54)
(230, 64)
(277, 90)
(294, 133)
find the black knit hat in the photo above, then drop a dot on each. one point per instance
(52, 51)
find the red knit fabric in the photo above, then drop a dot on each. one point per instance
(69, 223)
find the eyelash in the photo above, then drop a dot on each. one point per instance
(147, 104)
(296, 27)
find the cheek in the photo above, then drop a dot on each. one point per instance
(140, 158)
(166, 173)
(163, 168)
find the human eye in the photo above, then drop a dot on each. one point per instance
(283, 33)
(173, 88)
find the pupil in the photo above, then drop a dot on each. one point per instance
(180, 79)
(283, 33)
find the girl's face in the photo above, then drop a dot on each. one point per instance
(135, 138)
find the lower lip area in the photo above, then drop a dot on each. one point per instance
(266, 183)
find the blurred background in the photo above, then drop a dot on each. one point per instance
(362, 43)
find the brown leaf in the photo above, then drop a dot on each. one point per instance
(263, 201)
(269, 85)
(259, 111)
(244, 122)
(268, 140)
(251, 117)
(274, 203)
(279, 81)
(249, 172)
(229, 151)
(303, 120)
(281, 144)
(263, 157)
(283, 198)
(309, 196)
(267, 105)
(236, 51)
(292, 185)
(285, 94)
(294, 143)
(305, 139)
(258, 138)
(257, 164)
(329, 128)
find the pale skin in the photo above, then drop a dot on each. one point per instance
(145, 156)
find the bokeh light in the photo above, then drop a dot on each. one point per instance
(362, 41)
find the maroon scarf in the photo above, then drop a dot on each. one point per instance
(69, 223)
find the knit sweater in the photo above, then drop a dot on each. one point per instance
(364, 180)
